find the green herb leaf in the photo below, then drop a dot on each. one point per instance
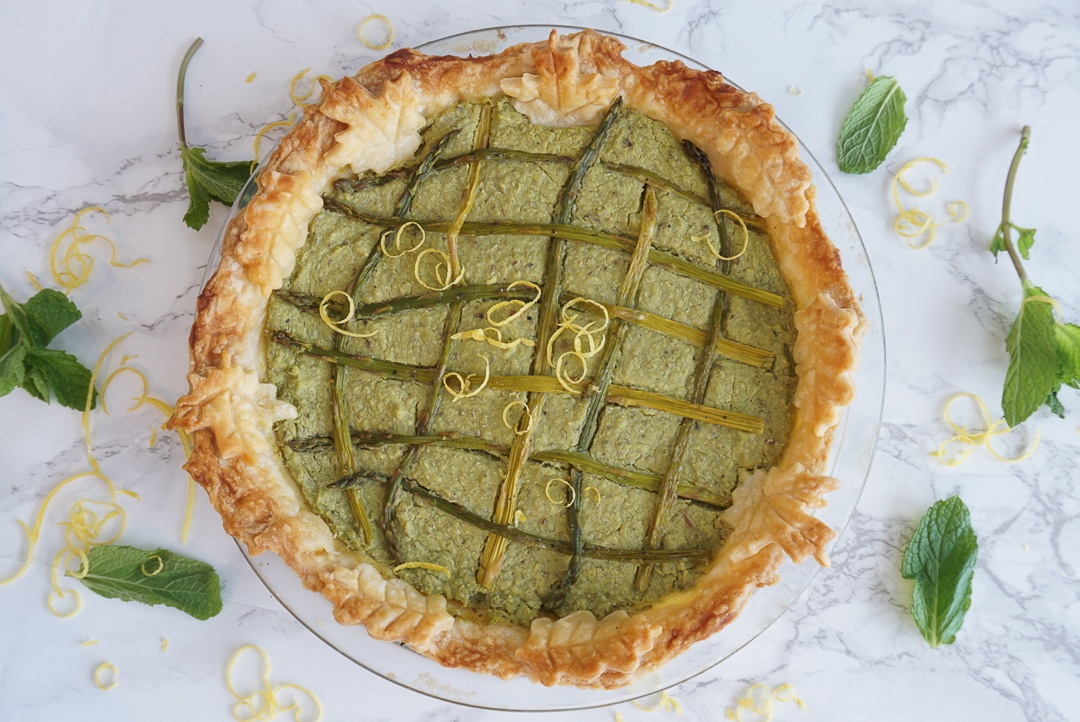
(154, 577)
(207, 180)
(997, 245)
(1033, 361)
(1067, 336)
(52, 312)
(1054, 404)
(61, 374)
(12, 369)
(30, 333)
(1025, 241)
(941, 561)
(872, 126)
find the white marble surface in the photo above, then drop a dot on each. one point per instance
(86, 118)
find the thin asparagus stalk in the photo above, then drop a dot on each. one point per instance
(583, 235)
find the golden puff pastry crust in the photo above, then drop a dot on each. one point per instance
(372, 121)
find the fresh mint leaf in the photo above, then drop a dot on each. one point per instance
(12, 369)
(25, 330)
(1067, 336)
(52, 312)
(207, 180)
(1033, 371)
(940, 559)
(1054, 404)
(153, 577)
(1025, 241)
(997, 245)
(872, 126)
(63, 375)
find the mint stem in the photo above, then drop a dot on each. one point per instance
(1006, 224)
(180, 91)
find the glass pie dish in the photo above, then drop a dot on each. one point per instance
(851, 455)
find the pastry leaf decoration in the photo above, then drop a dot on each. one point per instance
(941, 561)
(153, 577)
(25, 331)
(207, 180)
(872, 126)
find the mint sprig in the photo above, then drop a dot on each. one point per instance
(872, 126)
(25, 362)
(1043, 352)
(940, 559)
(207, 180)
(153, 577)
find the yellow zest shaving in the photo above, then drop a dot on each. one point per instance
(262, 704)
(301, 100)
(336, 325)
(143, 397)
(580, 352)
(760, 700)
(970, 439)
(164, 645)
(442, 271)
(72, 268)
(266, 129)
(594, 490)
(572, 495)
(521, 306)
(869, 75)
(465, 389)
(618, 717)
(654, 6)
(251, 77)
(794, 90)
(389, 31)
(484, 334)
(423, 565)
(34, 281)
(708, 239)
(397, 240)
(911, 223)
(89, 643)
(519, 516)
(103, 669)
(526, 416)
(1046, 299)
(154, 570)
(666, 702)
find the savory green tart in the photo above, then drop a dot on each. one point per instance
(530, 361)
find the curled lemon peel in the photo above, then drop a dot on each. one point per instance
(397, 240)
(911, 223)
(266, 129)
(666, 703)
(389, 31)
(563, 376)
(718, 216)
(251, 76)
(484, 334)
(760, 699)
(522, 306)
(526, 415)
(103, 669)
(569, 498)
(336, 325)
(465, 389)
(969, 439)
(300, 100)
(166, 409)
(72, 268)
(262, 704)
(156, 570)
(581, 335)
(653, 6)
(441, 271)
(164, 645)
(89, 643)
(519, 516)
(423, 565)
(594, 490)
